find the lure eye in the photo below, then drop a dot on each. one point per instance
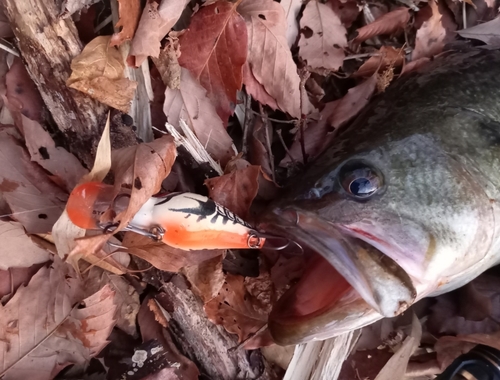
(87, 202)
(360, 180)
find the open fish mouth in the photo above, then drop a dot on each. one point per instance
(346, 278)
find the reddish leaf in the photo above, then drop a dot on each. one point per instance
(256, 90)
(130, 11)
(162, 256)
(35, 201)
(214, 49)
(348, 11)
(436, 31)
(206, 278)
(389, 23)
(12, 279)
(323, 37)
(269, 56)
(43, 312)
(190, 103)
(154, 24)
(235, 190)
(386, 57)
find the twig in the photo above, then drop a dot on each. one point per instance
(267, 126)
(304, 76)
(251, 336)
(278, 132)
(39, 343)
(246, 123)
(274, 120)
(464, 14)
(4, 45)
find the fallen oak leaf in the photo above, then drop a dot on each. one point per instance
(15, 239)
(269, 56)
(156, 21)
(191, 104)
(389, 23)
(323, 38)
(99, 71)
(214, 49)
(130, 11)
(42, 332)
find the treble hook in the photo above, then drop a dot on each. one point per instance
(278, 243)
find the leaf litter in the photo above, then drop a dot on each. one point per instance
(281, 57)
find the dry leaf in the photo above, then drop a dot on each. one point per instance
(34, 200)
(99, 71)
(348, 11)
(12, 279)
(435, 32)
(489, 32)
(22, 95)
(386, 57)
(155, 23)
(130, 11)
(191, 104)
(126, 297)
(206, 278)
(236, 309)
(17, 249)
(269, 56)
(322, 38)
(64, 166)
(235, 191)
(390, 23)
(41, 330)
(256, 90)
(169, 69)
(214, 49)
(292, 9)
(164, 257)
(102, 161)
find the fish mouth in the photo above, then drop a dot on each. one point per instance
(347, 281)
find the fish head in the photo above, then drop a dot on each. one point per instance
(384, 221)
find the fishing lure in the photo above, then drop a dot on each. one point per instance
(181, 220)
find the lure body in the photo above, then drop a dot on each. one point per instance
(186, 221)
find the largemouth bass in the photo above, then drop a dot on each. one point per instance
(403, 206)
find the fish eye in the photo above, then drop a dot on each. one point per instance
(359, 179)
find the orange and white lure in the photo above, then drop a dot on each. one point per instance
(182, 220)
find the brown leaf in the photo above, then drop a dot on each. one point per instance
(292, 9)
(126, 297)
(348, 11)
(323, 37)
(489, 32)
(269, 56)
(335, 114)
(64, 166)
(36, 202)
(236, 309)
(387, 57)
(99, 71)
(130, 11)
(155, 23)
(169, 68)
(164, 257)
(43, 333)
(18, 250)
(206, 278)
(435, 32)
(191, 104)
(235, 191)
(214, 49)
(12, 279)
(22, 95)
(390, 23)
(256, 90)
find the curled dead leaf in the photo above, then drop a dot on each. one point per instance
(390, 23)
(99, 71)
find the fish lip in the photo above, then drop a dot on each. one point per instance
(312, 231)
